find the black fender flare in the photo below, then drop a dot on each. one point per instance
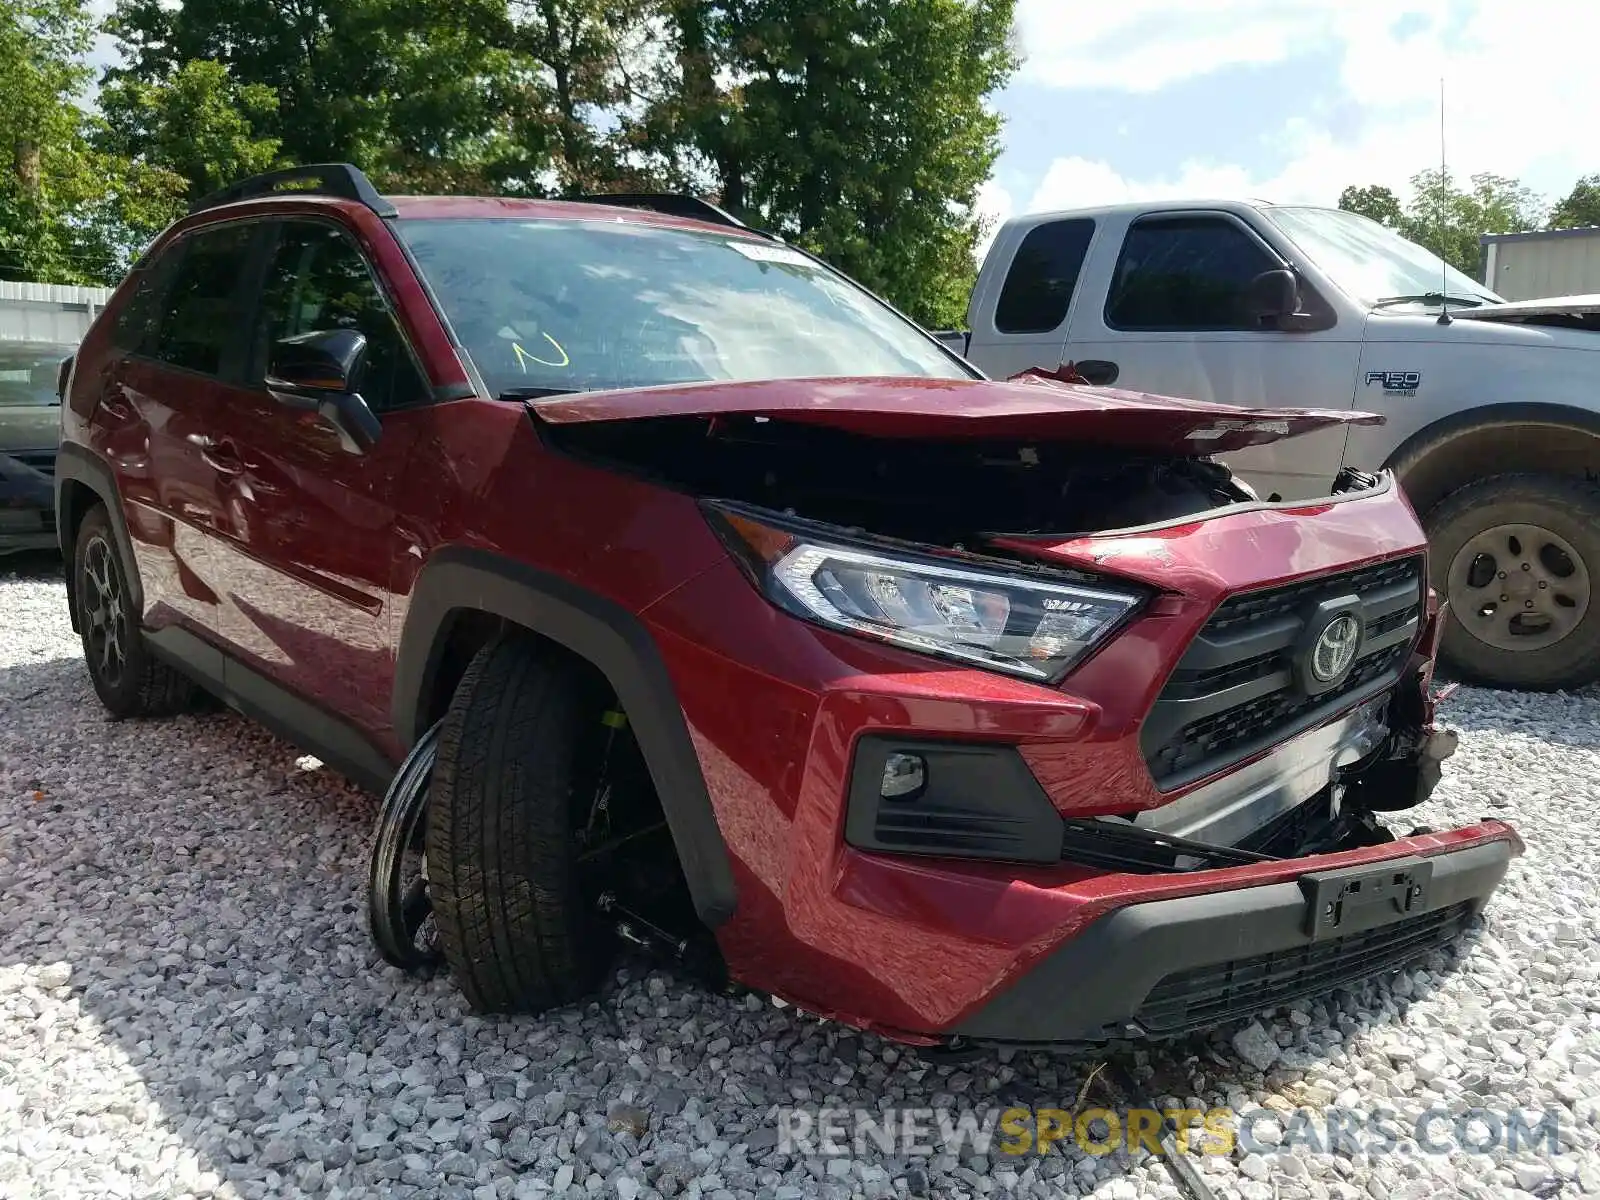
(77, 464)
(1432, 443)
(611, 639)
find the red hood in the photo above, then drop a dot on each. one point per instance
(1028, 408)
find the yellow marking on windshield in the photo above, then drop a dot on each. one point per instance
(524, 357)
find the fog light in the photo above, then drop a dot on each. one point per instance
(904, 775)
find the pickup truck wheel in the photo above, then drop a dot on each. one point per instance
(126, 676)
(1517, 557)
(508, 792)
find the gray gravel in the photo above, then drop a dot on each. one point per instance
(189, 1004)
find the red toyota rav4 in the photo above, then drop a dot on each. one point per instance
(675, 588)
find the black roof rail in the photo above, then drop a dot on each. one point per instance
(668, 203)
(325, 179)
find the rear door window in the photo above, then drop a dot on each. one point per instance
(1186, 273)
(139, 322)
(1038, 289)
(202, 315)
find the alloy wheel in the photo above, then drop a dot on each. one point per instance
(1518, 587)
(105, 613)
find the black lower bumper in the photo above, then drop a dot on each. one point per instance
(1169, 966)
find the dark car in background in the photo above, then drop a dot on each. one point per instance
(30, 424)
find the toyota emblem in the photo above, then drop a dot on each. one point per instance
(1335, 648)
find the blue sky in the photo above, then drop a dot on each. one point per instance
(1291, 99)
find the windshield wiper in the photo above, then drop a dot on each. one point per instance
(1428, 298)
(537, 393)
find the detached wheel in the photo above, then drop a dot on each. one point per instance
(126, 676)
(1518, 557)
(512, 784)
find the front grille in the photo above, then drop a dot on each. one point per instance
(1235, 693)
(1206, 996)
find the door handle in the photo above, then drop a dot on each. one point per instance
(1098, 371)
(220, 457)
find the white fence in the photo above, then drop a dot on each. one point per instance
(48, 312)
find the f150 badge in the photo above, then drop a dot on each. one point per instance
(1396, 383)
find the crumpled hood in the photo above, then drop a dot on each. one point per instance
(1030, 408)
(1581, 309)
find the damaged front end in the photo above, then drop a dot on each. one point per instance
(1384, 755)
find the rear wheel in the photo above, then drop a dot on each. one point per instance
(126, 676)
(1517, 557)
(512, 783)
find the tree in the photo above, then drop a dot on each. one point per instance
(199, 124)
(856, 128)
(1450, 220)
(69, 213)
(1581, 208)
(425, 95)
(1375, 201)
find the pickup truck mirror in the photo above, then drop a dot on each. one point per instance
(317, 372)
(1273, 297)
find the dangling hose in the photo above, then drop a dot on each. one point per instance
(397, 907)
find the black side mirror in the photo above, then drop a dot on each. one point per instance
(318, 372)
(1272, 297)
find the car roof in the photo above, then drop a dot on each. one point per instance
(1141, 208)
(462, 208)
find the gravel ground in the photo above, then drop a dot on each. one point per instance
(189, 1005)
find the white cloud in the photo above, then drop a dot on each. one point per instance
(994, 206)
(1523, 96)
(1146, 45)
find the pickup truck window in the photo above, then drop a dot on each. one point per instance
(1183, 273)
(1371, 262)
(1038, 288)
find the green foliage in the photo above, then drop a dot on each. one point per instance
(1581, 208)
(1449, 219)
(200, 124)
(1376, 202)
(859, 130)
(69, 212)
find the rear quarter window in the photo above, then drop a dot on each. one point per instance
(1044, 274)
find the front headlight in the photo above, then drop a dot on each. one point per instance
(1037, 628)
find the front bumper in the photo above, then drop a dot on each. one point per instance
(27, 502)
(27, 529)
(1169, 966)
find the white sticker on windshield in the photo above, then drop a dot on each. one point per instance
(768, 252)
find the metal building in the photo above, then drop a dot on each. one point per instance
(48, 312)
(1531, 266)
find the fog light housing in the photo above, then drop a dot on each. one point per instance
(904, 776)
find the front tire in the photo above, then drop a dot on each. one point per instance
(1517, 556)
(127, 677)
(508, 792)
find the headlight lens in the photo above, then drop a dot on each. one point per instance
(1035, 628)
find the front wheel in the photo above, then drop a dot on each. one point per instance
(512, 787)
(1517, 557)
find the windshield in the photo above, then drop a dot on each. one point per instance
(28, 374)
(592, 305)
(1372, 262)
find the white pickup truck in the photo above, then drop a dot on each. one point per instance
(1493, 408)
